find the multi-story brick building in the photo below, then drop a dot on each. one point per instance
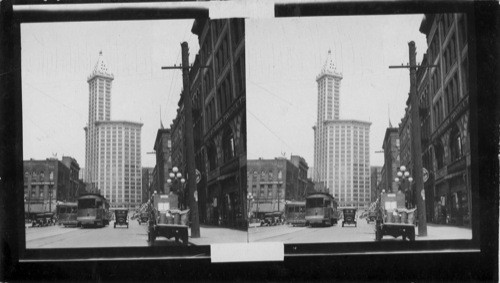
(48, 181)
(391, 147)
(162, 148)
(375, 179)
(147, 183)
(219, 122)
(448, 107)
(273, 182)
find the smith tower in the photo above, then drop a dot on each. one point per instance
(328, 82)
(341, 147)
(113, 148)
(99, 110)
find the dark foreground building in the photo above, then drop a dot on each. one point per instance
(219, 123)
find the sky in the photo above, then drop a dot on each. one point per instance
(57, 58)
(284, 56)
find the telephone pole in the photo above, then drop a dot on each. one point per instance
(416, 148)
(189, 142)
(416, 152)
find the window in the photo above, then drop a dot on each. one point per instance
(228, 145)
(439, 152)
(212, 156)
(455, 144)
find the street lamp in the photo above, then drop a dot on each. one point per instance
(402, 176)
(249, 199)
(249, 208)
(175, 178)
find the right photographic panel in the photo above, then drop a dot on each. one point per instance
(358, 129)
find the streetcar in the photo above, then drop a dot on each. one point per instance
(93, 210)
(67, 213)
(321, 209)
(295, 213)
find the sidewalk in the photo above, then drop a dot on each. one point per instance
(217, 235)
(445, 232)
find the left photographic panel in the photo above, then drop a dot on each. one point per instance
(114, 153)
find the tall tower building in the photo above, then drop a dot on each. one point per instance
(341, 147)
(112, 148)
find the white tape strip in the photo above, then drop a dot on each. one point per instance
(245, 252)
(241, 9)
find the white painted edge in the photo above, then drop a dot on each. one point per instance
(241, 9)
(247, 252)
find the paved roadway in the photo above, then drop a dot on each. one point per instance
(136, 235)
(73, 237)
(364, 232)
(299, 234)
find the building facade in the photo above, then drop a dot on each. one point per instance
(448, 107)
(113, 148)
(375, 179)
(305, 185)
(273, 182)
(48, 181)
(392, 160)
(162, 148)
(75, 186)
(219, 122)
(341, 147)
(147, 183)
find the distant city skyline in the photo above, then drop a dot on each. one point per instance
(57, 60)
(284, 61)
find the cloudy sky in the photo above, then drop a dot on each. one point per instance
(284, 56)
(57, 59)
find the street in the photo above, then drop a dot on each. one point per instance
(364, 232)
(73, 237)
(136, 235)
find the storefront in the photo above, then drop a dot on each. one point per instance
(441, 202)
(459, 200)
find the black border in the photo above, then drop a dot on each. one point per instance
(449, 260)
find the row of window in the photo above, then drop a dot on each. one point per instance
(263, 174)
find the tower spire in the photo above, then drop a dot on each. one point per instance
(161, 123)
(389, 116)
(100, 69)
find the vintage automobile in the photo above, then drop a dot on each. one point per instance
(43, 219)
(371, 217)
(349, 216)
(121, 217)
(143, 217)
(272, 219)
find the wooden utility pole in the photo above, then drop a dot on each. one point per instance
(416, 148)
(189, 142)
